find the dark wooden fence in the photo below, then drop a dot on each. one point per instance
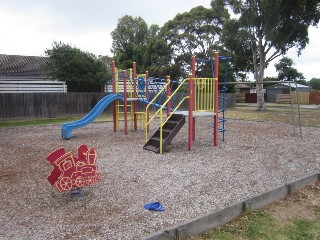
(37, 105)
(251, 98)
(49, 105)
(314, 98)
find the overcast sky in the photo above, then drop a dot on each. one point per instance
(30, 27)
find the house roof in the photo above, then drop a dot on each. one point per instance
(22, 66)
(242, 85)
(294, 85)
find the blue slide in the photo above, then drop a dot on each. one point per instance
(90, 117)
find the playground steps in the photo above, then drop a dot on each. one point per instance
(169, 131)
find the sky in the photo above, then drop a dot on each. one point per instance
(30, 27)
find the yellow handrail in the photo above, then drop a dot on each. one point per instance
(164, 104)
(161, 108)
(186, 97)
(170, 97)
(148, 106)
(204, 95)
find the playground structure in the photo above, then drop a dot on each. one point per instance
(200, 93)
(128, 88)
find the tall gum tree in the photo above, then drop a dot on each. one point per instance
(267, 29)
(193, 33)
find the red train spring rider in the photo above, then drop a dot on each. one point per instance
(71, 172)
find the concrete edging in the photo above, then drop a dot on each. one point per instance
(294, 186)
(223, 216)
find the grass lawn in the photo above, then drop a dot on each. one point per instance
(273, 114)
(296, 217)
(46, 121)
(309, 117)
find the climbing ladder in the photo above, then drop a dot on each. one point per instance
(123, 84)
(223, 98)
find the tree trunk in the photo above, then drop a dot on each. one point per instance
(260, 97)
(259, 75)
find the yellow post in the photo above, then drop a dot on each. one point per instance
(161, 131)
(147, 123)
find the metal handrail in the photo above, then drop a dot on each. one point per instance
(161, 108)
(148, 106)
(164, 104)
(208, 105)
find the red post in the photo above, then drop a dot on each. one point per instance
(216, 100)
(193, 66)
(168, 95)
(190, 120)
(125, 102)
(114, 105)
(193, 69)
(135, 107)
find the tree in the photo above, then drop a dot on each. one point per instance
(267, 81)
(263, 30)
(157, 52)
(314, 83)
(129, 41)
(82, 71)
(193, 33)
(286, 72)
(133, 41)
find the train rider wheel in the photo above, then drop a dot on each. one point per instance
(80, 181)
(65, 183)
(89, 180)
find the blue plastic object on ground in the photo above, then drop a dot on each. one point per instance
(154, 206)
(90, 117)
